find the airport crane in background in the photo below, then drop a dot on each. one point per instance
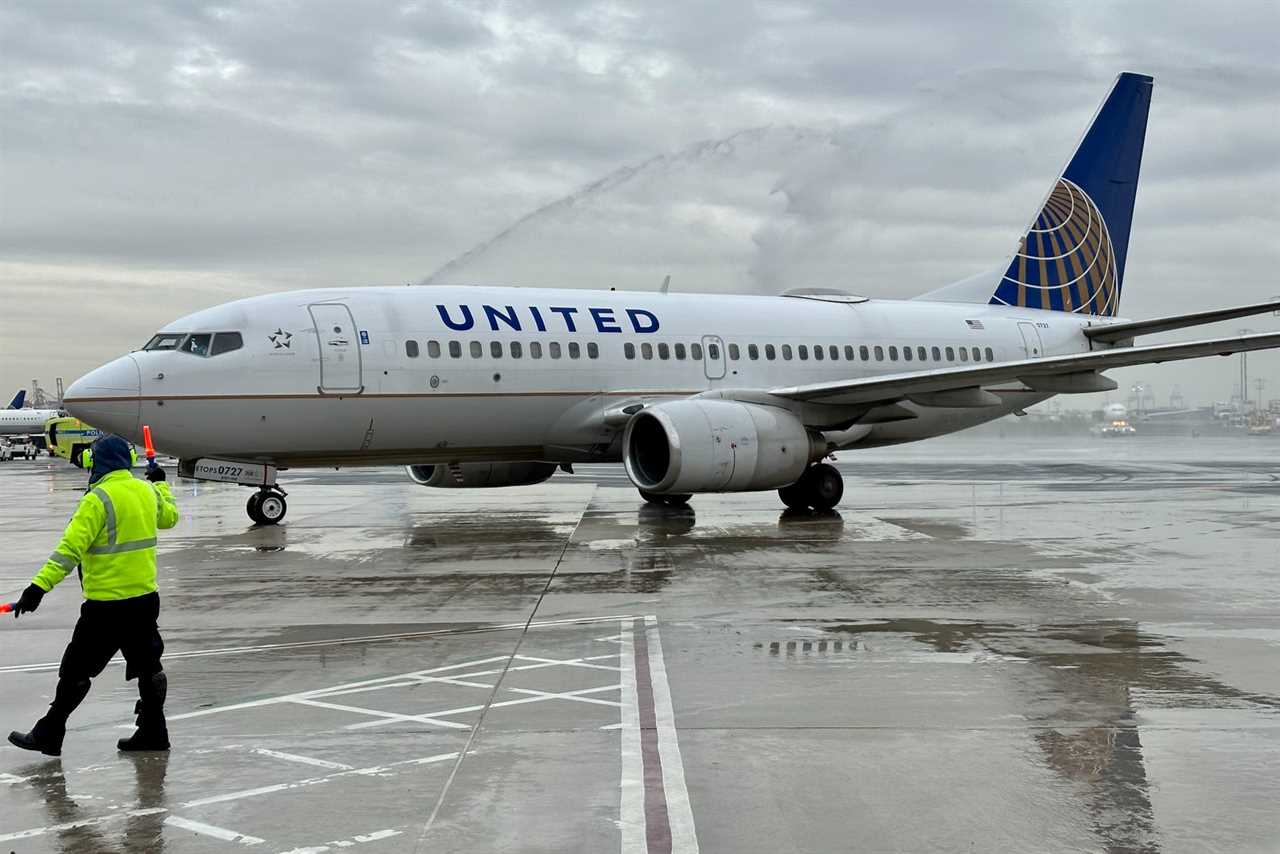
(693, 393)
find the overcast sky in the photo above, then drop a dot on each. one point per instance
(161, 158)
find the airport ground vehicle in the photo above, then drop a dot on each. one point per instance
(67, 437)
(18, 447)
(693, 393)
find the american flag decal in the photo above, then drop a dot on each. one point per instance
(975, 324)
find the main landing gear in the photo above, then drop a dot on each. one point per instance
(267, 506)
(672, 500)
(820, 487)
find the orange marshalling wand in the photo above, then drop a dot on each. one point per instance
(146, 441)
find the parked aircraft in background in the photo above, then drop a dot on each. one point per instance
(486, 386)
(25, 422)
(18, 399)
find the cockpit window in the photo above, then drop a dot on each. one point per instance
(165, 341)
(197, 345)
(225, 342)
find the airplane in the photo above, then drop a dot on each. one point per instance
(18, 399)
(16, 421)
(692, 393)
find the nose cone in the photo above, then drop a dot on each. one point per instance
(108, 398)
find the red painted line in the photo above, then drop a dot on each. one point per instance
(657, 822)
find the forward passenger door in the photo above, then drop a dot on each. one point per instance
(339, 349)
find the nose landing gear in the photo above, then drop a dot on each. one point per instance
(267, 506)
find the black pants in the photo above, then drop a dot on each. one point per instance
(127, 626)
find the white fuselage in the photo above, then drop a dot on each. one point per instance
(457, 374)
(25, 422)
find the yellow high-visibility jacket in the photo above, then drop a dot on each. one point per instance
(113, 537)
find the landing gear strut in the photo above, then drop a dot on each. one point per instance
(267, 506)
(820, 487)
(671, 500)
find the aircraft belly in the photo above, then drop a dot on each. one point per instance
(376, 429)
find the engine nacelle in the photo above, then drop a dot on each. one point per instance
(480, 475)
(717, 446)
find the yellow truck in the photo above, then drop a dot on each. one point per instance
(68, 437)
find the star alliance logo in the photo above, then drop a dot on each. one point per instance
(281, 339)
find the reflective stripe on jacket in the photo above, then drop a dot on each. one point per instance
(113, 537)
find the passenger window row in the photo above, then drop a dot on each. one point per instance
(513, 349)
(664, 351)
(679, 351)
(818, 352)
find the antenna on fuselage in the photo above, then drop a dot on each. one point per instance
(666, 284)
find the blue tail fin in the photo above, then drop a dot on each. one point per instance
(18, 399)
(1072, 256)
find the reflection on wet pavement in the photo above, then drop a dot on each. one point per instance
(1056, 651)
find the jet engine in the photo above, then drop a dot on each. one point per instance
(478, 475)
(717, 446)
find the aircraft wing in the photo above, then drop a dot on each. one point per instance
(1123, 331)
(1051, 373)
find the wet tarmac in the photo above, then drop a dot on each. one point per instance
(1067, 645)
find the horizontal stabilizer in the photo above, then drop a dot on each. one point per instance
(1125, 331)
(885, 389)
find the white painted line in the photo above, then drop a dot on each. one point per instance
(272, 647)
(631, 820)
(574, 662)
(346, 688)
(684, 838)
(384, 716)
(358, 839)
(76, 825)
(212, 830)
(305, 760)
(434, 716)
(398, 681)
(375, 836)
(313, 781)
(551, 695)
(448, 680)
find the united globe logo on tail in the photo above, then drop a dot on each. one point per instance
(1073, 256)
(1066, 261)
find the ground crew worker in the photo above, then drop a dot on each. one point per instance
(112, 536)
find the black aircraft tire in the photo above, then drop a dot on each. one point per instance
(271, 508)
(251, 507)
(824, 485)
(675, 499)
(795, 496)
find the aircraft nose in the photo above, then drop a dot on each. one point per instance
(108, 398)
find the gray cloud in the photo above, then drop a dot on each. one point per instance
(158, 158)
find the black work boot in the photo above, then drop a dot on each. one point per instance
(46, 737)
(145, 738)
(152, 732)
